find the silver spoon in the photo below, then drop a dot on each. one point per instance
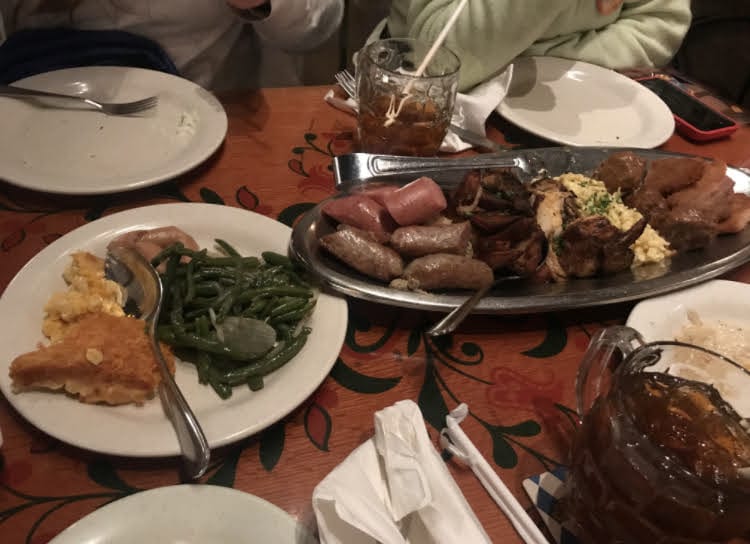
(456, 316)
(144, 291)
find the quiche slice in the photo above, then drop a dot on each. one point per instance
(101, 359)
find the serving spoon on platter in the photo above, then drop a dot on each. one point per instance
(143, 290)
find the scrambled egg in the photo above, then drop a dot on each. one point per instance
(594, 199)
(88, 292)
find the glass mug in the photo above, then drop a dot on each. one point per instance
(658, 458)
(400, 114)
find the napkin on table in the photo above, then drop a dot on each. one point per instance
(471, 110)
(394, 489)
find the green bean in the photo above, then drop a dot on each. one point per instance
(269, 289)
(255, 383)
(276, 259)
(268, 364)
(227, 248)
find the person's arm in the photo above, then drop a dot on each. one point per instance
(292, 25)
(647, 33)
(491, 33)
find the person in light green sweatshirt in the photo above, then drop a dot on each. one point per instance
(489, 34)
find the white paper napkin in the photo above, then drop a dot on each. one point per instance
(395, 489)
(471, 110)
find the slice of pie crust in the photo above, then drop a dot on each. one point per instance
(101, 359)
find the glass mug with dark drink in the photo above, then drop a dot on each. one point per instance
(662, 455)
(401, 113)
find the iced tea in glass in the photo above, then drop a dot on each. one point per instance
(399, 113)
(662, 455)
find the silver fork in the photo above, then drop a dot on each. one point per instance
(346, 81)
(122, 108)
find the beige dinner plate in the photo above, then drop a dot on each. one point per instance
(77, 150)
(577, 103)
(145, 431)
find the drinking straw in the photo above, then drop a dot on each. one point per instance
(393, 112)
(455, 441)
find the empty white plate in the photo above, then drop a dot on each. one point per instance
(187, 514)
(576, 103)
(77, 150)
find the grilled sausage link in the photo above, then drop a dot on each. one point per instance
(363, 254)
(417, 241)
(446, 271)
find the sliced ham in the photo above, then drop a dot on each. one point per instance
(416, 202)
(360, 211)
(379, 193)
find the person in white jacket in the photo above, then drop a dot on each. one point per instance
(221, 45)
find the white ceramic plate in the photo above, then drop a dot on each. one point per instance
(576, 103)
(715, 302)
(187, 514)
(76, 150)
(145, 431)
(663, 317)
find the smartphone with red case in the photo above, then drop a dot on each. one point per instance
(693, 119)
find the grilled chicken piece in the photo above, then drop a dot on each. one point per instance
(554, 207)
(739, 214)
(709, 196)
(592, 245)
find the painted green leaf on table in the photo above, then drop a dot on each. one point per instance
(360, 383)
(298, 150)
(211, 197)
(289, 215)
(415, 340)
(431, 401)
(525, 428)
(225, 474)
(272, 445)
(502, 452)
(103, 473)
(554, 341)
(309, 137)
(318, 426)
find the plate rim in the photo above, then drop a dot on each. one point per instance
(217, 137)
(510, 113)
(171, 495)
(61, 247)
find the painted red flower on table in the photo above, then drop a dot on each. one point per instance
(319, 178)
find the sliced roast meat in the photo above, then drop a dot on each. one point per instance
(363, 254)
(684, 229)
(623, 171)
(710, 195)
(674, 174)
(416, 241)
(360, 211)
(465, 198)
(447, 271)
(739, 214)
(646, 200)
(416, 202)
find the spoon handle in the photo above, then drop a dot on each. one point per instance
(458, 314)
(193, 443)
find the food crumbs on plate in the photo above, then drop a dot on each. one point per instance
(94, 356)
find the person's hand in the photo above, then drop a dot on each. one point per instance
(247, 4)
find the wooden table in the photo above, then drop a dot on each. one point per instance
(515, 373)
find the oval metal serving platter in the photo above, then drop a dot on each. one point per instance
(522, 296)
